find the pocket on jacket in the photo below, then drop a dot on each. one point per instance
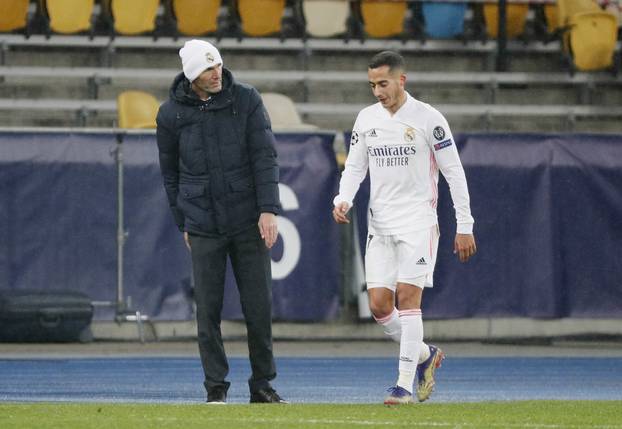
(193, 196)
(194, 202)
(190, 191)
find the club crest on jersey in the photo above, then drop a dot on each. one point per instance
(439, 133)
(409, 134)
(354, 138)
(372, 133)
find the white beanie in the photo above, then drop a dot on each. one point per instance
(197, 56)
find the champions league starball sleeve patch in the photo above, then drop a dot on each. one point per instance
(439, 133)
(354, 139)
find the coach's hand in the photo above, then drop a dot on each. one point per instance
(187, 240)
(268, 228)
(464, 246)
(340, 211)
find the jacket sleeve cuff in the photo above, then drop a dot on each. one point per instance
(270, 209)
(178, 217)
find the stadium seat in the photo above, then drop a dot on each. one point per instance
(132, 17)
(283, 113)
(137, 109)
(326, 18)
(550, 14)
(443, 20)
(191, 23)
(260, 17)
(593, 37)
(567, 8)
(516, 15)
(383, 18)
(14, 15)
(69, 16)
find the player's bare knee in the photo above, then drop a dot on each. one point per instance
(381, 309)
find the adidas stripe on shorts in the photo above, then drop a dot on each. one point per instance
(405, 258)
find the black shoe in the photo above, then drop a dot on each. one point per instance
(266, 396)
(217, 395)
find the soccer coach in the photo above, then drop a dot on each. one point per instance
(220, 173)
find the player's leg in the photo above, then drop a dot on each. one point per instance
(380, 274)
(409, 301)
(431, 356)
(416, 257)
(382, 305)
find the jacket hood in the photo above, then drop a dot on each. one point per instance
(181, 91)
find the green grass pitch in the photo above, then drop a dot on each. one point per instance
(522, 414)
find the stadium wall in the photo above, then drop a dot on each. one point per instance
(548, 212)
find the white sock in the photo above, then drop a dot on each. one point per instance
(410, 347)
(424, 353)
(391, 325)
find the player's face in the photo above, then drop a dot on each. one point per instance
(210, 81)
(387, 86)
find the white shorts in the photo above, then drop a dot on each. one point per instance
(404, 258)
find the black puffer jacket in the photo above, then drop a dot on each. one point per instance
(217, 158)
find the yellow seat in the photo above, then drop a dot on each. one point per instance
(133, 17)
(14, 14)
(191, 23)
(567, 8)
(137, 109)
(383, 18)
(550, 14)
(69, 16)
(261, 17)
(282, 112)
(516, 15)
(593, 37)
(326, 18)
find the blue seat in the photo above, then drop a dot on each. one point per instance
(443, 20)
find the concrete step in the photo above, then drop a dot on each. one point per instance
(264, 53)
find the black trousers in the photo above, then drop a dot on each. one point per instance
(250, 260)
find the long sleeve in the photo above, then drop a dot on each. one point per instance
(356, 167)
(168, 148)
(263, 157)
(446, 155)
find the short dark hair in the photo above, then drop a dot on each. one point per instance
(387, 58)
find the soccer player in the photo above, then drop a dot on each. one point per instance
(403, 143)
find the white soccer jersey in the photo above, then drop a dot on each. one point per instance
(404, 153)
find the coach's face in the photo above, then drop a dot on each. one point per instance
(388, 87)
(210, 81)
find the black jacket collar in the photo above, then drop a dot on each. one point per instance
(181, 92)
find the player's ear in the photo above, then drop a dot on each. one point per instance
(402, 79)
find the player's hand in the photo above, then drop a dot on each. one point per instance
(187, 240)
(268, 228)
(340, 211)
(464, 246)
